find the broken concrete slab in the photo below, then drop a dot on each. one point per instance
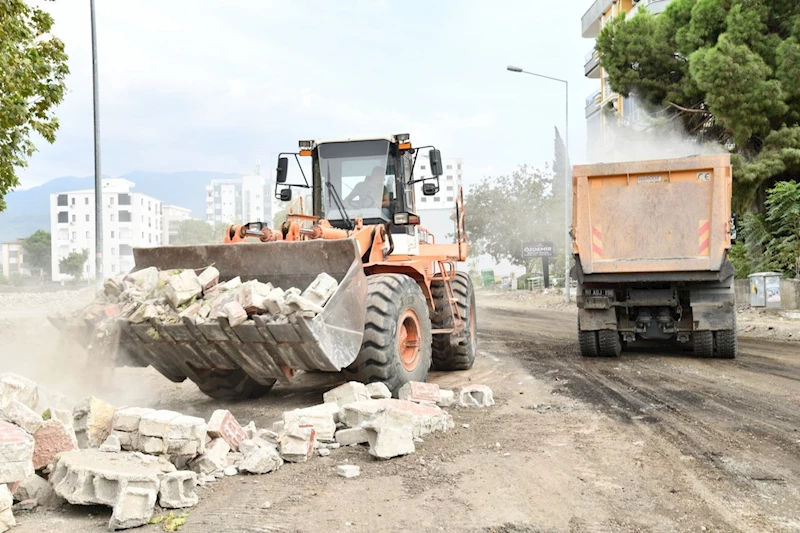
(352, 436)
(476, 396)
(62, 415)
(296, 443)
(16, 387)
(251, 296)
(134, 508)
(348, 471)
(215, 457)
(235, 313)
(208, 278)
(347, 393)
(89, 477)
(320, 419)
(416, 391)
(423, 418)
(187, 428)
(262, 460)
(181, 287)
(16, 453)
(23, 416)
(36, 488)
(128, 418)
(297, 303)
(224, 425)
(92, 422)
(321, 289)
(250, 429)
(128, 440)
(157, 423)
(447, 398)
(6, 515)
(177, 490)
(378, 391)
(388, 442)
(111, 445)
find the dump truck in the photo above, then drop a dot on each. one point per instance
(651, 242)
(400, 305)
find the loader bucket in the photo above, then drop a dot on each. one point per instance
(328, 342)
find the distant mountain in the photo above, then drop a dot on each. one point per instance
(29, 210)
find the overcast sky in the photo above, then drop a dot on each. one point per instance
(210, 85)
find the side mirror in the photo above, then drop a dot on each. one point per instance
(283, 169)
(430, 189)
(286, 195)
(436, 162)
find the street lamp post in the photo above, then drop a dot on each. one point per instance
(98, 182)
(567, 184)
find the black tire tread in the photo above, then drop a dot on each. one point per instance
(703, 344)
(610, 345)
(232, 385)
(446, 355)
(587, 342)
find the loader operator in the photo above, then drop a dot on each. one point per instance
(364, 193)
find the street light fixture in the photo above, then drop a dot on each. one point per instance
(567, 184)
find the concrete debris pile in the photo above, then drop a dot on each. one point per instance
(132, 459)
(173, 296)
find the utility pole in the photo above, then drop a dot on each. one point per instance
(98, 180)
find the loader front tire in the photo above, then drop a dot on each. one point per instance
(231, 385)
(397, 334)
(461, 355)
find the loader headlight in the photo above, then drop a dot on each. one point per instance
(400, 219)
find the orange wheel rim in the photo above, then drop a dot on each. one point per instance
(408, 340)
(472, 334)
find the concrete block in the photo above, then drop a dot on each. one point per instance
(128, 440)
(146, 280)
(447, 398)
(378, 391)
(15, 387)
(111, 445)
(36, 488)
(347, 393)
(177, 490)
(251, 296)
(215, 457)
(128, 418)
(388, 442)
(250, 429)
(191, 311)
(352, 436)
(323, 452)
(296, 443)
(415, 391)
(321, 420)
(91, 477)
(231, 284)
(208, 278)
(223, 425)
(296, 302)
(262, 460)
(321, 289)
(424, 419)
(188, 428)
(185, 447)
(476, 396)
(92, 422)
(273, 301)
(153, 445)
(23, 416)
(62, 415)
(157, 423)
(231, 470)
(7, 520)
(133, 509)
(6, 499)
(235, 313)
(182, 287)
(16, 453)
(348, 471)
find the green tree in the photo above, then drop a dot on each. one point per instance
(193, 231)
(33, 66)
(729, 70)
(73, 264)
(37, 250)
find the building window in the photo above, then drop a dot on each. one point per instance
(74, 235)
(113, 251)
(424, 199)
(63, 216)
(112, 217)
(124, 199)
(422, 167)
(449, 187)
(111, 201)
(125, 249)
(74, 218)
(449, 178)
(141, 200)
(458, 166)
(87, 218)
(73, 200)
(62, 200)
(113, 268)
(449, 198)
(150, 238)
(112, 234)
(142, 235)
(86, 201)
(87, 234)
(449, 167)
(437, 199)
(124, 216)
(149, 206)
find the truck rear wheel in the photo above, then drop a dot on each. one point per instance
(446, 355)
(397, 334)
(587, 340)
(609, 342)
(703, 344)
(232, 385)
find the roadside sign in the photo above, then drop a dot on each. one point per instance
(537, 249)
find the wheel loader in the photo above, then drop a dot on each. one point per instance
(400, 306)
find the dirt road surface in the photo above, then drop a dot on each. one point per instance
(652, 441)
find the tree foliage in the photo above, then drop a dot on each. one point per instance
(38, 250)
(729, 69)
(193, 231)
(33, 66)
(73, 263)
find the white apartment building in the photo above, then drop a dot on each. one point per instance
(12, 260)
(239, 200)
(130, 220)
(172, 216)
(436, 212)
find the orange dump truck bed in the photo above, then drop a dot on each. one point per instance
(671, 215)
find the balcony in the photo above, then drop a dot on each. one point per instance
(592, 103)
(591, 20)
(591, 67)
(655, 7)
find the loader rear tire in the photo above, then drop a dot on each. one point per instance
(232, 385)
(397, 334)
(587, 340)
(446, 355)
(703, 344)
(609, 342)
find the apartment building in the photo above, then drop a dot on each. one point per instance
(172, 216)
(239, 200)
(626, 112)
(130, 219)
(12, 260)
(437, 211)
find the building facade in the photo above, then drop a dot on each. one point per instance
(170, 222)
(239, 200)
(607, 111)
(130, 220)
(437, 212)
(12, 260)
